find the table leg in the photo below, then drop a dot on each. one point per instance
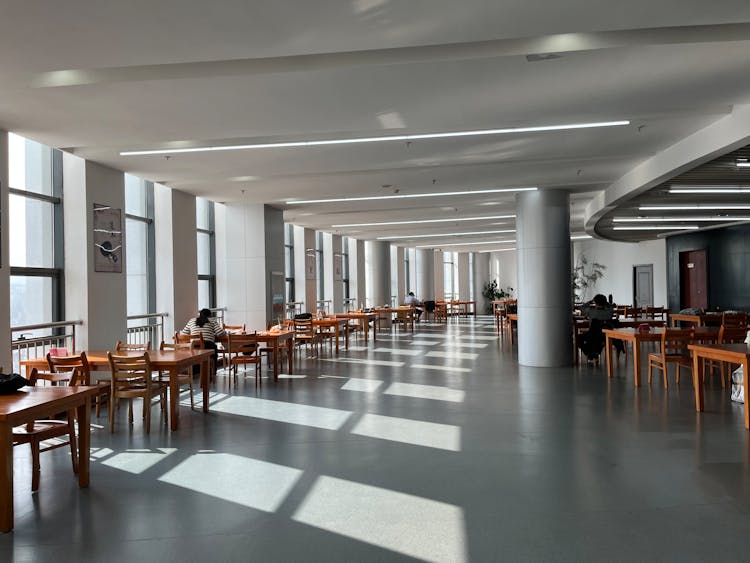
(84, 441)
(346, 335)
(637, 362)
(698, 385)
(206, 381)
(174, 398)
(289, 352)
(6, 477)
(336, 334)
(366, 324)
(608, 351)
(275, 359)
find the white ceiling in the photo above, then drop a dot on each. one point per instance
(230, 72)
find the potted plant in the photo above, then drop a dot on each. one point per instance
(492, 292)
(585, 276)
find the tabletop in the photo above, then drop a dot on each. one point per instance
(39, 398)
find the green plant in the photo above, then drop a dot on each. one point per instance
(491, 293)
(585, 276)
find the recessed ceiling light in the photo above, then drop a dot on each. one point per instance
(447, 235)
(658, 228)
(409, 196)
(415, 137)
(744, 163)
(694, 207)
(426, 221)
(709, 190)
(466, 243)
(676, 219)
(580, 237)
(496, 250)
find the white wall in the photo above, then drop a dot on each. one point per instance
(619, 258)
(463, 275)
(504, 268)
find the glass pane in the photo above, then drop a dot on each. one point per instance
(288, 262)
(136, 253)
(135, 196)
(31, 232)
(30, 300)
(288, 234)
(202, 207)
(204, 294)
(29, 165)
(289, 291)
(204, 254)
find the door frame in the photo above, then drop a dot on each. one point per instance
(708, 274)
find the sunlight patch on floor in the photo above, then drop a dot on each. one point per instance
(279, 411)
(434, 392)
(406, 431)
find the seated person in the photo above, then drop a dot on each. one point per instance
(601, 314)
(412, 301)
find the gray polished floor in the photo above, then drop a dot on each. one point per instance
(433, 446)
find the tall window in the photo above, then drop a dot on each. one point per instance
(450, 287)
(345, 265)
(319, 263)
(140, 245)
(289, 261)
(204, 222)
(35, 232)
(407, 279)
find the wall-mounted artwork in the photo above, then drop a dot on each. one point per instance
(310, 264)
(338, 272)
(107, 239)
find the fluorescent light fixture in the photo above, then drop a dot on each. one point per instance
(695, 207)
(357, 140)
(743, 164)
(709, 190)
(496, 250)
(448, 235)
(466, 243)
(411, 196)
(426, 221)
(714, 219)
(580, 237)
(658, 228)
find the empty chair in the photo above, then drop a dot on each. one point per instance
(734, 320)
(673, 350)
(184, 378)
(233, 328)
(655, 312)
(138, 347)
(304, 333)
(65, 366)
(727, 335)
(40, 431)
(132, 379)
(633, 312)
(242, 350)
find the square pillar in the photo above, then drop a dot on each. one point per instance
(5, 335)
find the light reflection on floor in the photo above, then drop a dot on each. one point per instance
(363, 385)
(292, 413)
(136, 461)
(441, 368)
(398, 351)
(365, 362)
(456, 355)
(407, 524)
(433, 392)
(406, 431)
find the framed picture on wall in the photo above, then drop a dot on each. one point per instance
(310, 264)
(338, 273)
(107, 239)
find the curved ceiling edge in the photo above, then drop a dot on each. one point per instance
(724, 135)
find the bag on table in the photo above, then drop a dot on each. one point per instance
(12, 382)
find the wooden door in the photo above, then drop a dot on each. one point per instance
(643, 285)
(694, 279)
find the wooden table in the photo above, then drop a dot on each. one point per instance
(403, 314)
(633, 335)
(275, 338)
(171, 361)
(731, 353)
(34, 403)
(579, 324)
(364, 321)
(512, 319)
(336, 324)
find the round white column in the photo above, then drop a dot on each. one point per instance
(380, 265)
(426, 274)
(544, 290)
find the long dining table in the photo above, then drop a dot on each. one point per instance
(338, 325)
(363, 318)
(275, 340)
(170, 361)
(730, 353)
(636, 337)
(35, 403)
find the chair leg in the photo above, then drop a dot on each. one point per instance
(112, 415)
(146, 412)
(192, 403)
(34, 465)
(665, 371)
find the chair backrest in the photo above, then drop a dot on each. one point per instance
(120, 346)
(195, 339)
(303, 328)
(674, 341)
(78, 364)
(633, 312)
(655, 312)
(176, 345)
(734, 319)
(242, 343)
(732, 334)
(129, 369)
(235, 328)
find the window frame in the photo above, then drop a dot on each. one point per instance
(150, 243)
(211, 232)
(289, 252)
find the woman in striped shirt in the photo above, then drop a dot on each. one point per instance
(207, 327)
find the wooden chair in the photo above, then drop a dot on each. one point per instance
(132, 379)
(673, 350)
(140, 347)
(197, 341)
(734, 320)
(40, 431)
(64, 366)
(441, 312)
(727, 335)
(304, 333)
(184, 378)
(655, 312)
(633, 312)
(242, 350)
(233, 328)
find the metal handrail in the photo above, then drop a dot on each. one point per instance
(39, 326)
(147, 316)
(24, 347)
